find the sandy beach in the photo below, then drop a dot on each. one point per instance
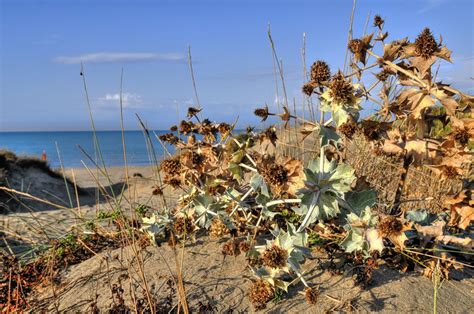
(54, 219)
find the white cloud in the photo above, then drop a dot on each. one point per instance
(129, 100)
(103, 57)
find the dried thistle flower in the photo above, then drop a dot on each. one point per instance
(440, 266)
(308, 88)
(208, 130)
(218, 229)
(378, 21)
(348, 128)
(394, 229)
(383, 75)
(275, 257)
(171, 166)
(283, 176)
(174, 128)
(311, 295)
(356, 45)
(262, 113)
(186, 127)
(157, 191)
(172, 181)
(425, 44)
(275, 174)
(341, 90)
(196, 159)
(390, 226)
(244, 246)
(320, 72)
(192, 112)
(224, 128)
(261, 292)
(169, 138)
(359, 48)
(231, 248)
(461, 136)
(184, 226)
(269, 135)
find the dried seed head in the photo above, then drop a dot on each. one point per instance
(231, 248)
(277, 174)
(197, 159)
(311, 295)
(244, 246)
(172, 181)
(425, 44)
(340, 89)
(192, 111)
(171, 166)
(273, 173)
(269, 134)
(224, 128)
(208, 129)
(275, 257)
(308, 88)
(262, 113)
(356, 45)
(169, 138)
(390, 226)
(378, 21)
(174, 128)
(186, 127)
(260, 293)
(383, 75)
(218, 229)
(461, 136)
(320, 72)
(184, 226)
(157, 191)
(348, 128)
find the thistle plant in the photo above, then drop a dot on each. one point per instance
(235, 185)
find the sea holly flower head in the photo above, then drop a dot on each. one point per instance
(341, 99)
(286, 252)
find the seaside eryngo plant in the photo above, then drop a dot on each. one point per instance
(244, 186)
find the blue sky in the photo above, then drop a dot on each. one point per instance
(43, 41)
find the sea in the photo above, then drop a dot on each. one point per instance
(72, 149)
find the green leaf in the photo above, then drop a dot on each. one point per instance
(340, 116)
(203, 207)
(327, 135)
(281, 284)
(236, 171)
(257, 182)
(353, 242)
(358, 201)
(417, 215)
